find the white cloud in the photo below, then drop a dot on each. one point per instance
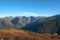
(25, 14)
(28, 14)
(19, 14)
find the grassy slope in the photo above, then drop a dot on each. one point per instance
(15, 34)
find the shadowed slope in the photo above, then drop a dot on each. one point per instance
(49, 25)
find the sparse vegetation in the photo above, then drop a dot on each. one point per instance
(15, 34)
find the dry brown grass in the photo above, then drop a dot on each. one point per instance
(15, 34)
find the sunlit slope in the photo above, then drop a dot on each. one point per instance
(15, 34)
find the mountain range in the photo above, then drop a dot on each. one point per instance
(44, 25)
(16, 22)
(47, 25)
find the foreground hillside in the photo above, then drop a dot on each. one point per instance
(15, 34)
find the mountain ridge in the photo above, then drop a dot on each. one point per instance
(50, 25)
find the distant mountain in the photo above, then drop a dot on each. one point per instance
(16, 22)
(35, 26)
(48, 25)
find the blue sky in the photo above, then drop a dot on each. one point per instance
(29, 7)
